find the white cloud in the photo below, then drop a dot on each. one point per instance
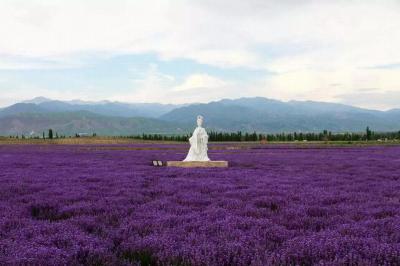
(373, 99)
(155, 86)
(222, 33)
(201, 82)
(202, 30)
(152, 86)
(326, 85)
(308, 44)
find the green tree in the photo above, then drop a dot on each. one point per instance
(368, 134)
(50, 133)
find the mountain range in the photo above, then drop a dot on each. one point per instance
(244, 114)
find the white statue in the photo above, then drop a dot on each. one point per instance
(198, 143)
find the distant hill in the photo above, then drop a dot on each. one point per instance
(21, 108)
(265, 115)
(106, 108)
(244, 114)
(69, 123)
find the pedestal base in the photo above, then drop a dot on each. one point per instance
(197, 164)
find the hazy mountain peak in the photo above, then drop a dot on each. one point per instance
(38, 100)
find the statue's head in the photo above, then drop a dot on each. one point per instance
(199, 120)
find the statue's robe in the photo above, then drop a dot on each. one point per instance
(198, 146)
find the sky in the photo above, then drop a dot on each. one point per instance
(183, 51)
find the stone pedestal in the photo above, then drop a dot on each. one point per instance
(197, 164)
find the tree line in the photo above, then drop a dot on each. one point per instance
(51, 134)
(325, 135)
(239, 136)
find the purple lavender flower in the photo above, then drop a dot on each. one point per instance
(277, 205)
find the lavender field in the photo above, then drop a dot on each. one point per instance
(275, 205)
